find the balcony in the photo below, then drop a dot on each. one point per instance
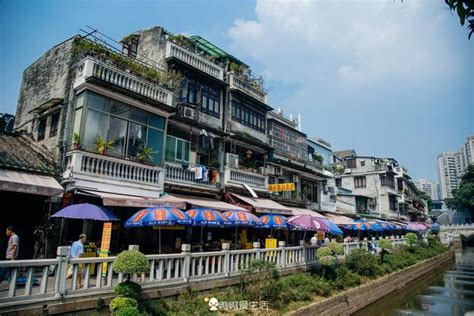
(236, 177)
(175, 174)
(175, 51)
(246, 87)
(92, 171)
(90, 68)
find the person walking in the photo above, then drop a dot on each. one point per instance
(77, 251)
(13, 249)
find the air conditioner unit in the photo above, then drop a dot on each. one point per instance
(278, 171)
(270, 169)
(189, 113)
(295, 178)
(347, 171)
(232, 160)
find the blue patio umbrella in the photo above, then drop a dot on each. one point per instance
(333, 228)
(242, 218)
(359, 225)
(376, 227)
(435, 227)
(158, 216)
(273, 221)
(205, 217)
(386, 225)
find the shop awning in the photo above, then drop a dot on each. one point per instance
(112, 199)
(339, 219)
(24, 182)
(195, 201)
(305, 211)
(266, 206)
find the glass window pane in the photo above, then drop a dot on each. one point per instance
(186, 151)
(94, 127)
(155, 141)
(98, 102)
(117, 134)
(157, 121)
(136, 138)
(170, 148)
(138, 115)
(77, 121)
(80, 99)
(119, 109)
(179, 150)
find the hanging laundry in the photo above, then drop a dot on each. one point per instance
(197, 173)
(214, 176)
(205, 174)
(211, 140)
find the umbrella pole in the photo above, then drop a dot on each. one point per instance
(235, 245)
(61, 232)
(159, 239)
(202, 248)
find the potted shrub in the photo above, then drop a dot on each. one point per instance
(76, 141)
(102, 145)
(145, 154)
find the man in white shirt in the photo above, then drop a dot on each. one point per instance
(314, 240)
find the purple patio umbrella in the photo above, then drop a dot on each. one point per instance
(84, 211)
(309, 222)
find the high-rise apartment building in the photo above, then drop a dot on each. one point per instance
(429, 187)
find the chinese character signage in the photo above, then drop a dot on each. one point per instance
(105, 244)
(281, 187)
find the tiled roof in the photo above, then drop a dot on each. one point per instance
(344, 153)
(20, 152)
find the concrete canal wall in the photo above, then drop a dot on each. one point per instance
(357, 298)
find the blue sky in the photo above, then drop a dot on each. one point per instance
(384, 77)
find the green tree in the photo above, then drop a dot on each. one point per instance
(465, 11)
(463, 197)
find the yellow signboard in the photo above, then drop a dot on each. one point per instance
(281, 187)
(105, 245)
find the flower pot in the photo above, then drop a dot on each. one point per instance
(76, 146)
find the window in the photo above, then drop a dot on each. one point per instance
(351, 163)
(128, 127)
(359, 182)
(42, 129)
(387, 181)
(339, 183)
(177, 149)
(203, 94)
(53, 127)
(362, 163)
(392, 200)
(243, 114)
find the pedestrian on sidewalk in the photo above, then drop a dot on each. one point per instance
(77, 251)
(12, 250)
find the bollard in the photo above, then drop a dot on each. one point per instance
(226, 250)
(186, 251)
(62, 254)
(281, 245)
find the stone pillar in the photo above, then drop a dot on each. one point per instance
(226, 250)
(281, 245)
(186, 251)
(62, 254)
(134, 247)
(256, 247)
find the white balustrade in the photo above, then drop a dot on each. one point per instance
(91, 68)
(239, 177)
(46, 279)
(176, 173)
(190, 58)
(255, 91)
(92, 167)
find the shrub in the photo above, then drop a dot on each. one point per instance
(188, 303)
(128, 289)
(411, 238)
(131, 262)
(336, 248)
(385, 245)
(120, 302)
(258, 281)
(323, 252)
(345, 278)
(128, 311)
(363, 263)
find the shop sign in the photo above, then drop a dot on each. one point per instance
(278, 187)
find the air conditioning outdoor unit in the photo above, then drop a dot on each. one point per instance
(189, 113)
(295, 178)
(347, 171)
(232, 160)
(278, 171)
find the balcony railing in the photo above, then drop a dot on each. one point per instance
(88, 170)
(239, 177)
(92, 68)
(256, 92)
(176, 174)
(178, 52)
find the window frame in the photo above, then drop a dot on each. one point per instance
(360, 182)
(42, 130)
(53, 132)
(247, 116)
(185, 150)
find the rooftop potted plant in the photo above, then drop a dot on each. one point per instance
(76, 141)
(102, 144)
(145, 154)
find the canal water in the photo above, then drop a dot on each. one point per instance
(447, 291)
